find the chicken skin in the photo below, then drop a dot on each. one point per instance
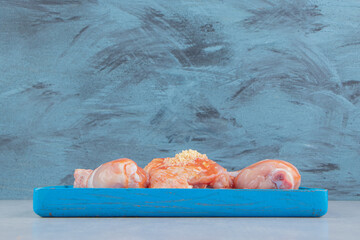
(120, 173)
(268, 174)
(188, 169)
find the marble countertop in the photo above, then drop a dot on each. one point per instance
(18, 221)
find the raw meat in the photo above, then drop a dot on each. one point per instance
(120, 173)
(188, 169)
(268, 174)
(81, 176)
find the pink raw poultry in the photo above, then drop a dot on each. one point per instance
(120, 173)
(188, 169)
(268, 174)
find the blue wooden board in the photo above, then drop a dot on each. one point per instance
(66, 201)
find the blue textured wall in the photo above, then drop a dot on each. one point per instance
(84, 82)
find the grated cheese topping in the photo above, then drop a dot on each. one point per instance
(185, 157)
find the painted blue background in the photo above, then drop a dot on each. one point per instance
(85, 82)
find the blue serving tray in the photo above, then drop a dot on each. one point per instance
(66, 201)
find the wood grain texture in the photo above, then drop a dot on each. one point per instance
(85, 82)
(139, 202)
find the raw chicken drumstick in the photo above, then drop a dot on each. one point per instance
(188, 169)
(268, 174)
(120, 173)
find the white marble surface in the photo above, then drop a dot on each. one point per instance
(18, 221)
